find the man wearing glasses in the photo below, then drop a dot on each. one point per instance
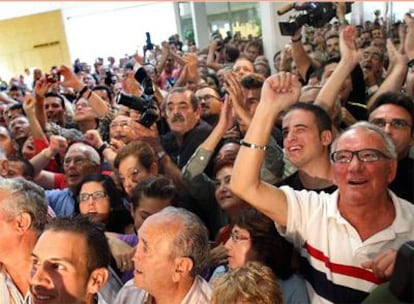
(80, 160)
(394, 112)
(210, 104)
(345, 238)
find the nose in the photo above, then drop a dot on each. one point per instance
(355, 164)
(40, 277)
(387, 128)
(128, 184)
(290, 136)
(228, 244)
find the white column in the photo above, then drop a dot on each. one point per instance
(200, 24)
(272, 39)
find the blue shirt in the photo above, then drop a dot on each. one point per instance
(61, 201)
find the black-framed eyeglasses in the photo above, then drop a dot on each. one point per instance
(84, 197)
(235, 237)
(78, 161)
(395, 123)
(207, 97)
(374, 55)
(365, 156)
(122, 124)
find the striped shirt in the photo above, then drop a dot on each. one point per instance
(9, 293)
(331, 249)
(200, 293)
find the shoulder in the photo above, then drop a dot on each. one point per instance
(130, 294)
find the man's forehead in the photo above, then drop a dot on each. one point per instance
(362, 136)
(121, 118)
(204, 91)
(179, 97)
(390, 110)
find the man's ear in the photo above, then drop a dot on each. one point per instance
(23, 222)
(97, 280)
(183, 266)
(154, 168)
(4, 167)
(326, 137)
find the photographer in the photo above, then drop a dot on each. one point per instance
(221, 55)
(169, 72)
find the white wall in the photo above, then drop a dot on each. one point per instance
(102, 29)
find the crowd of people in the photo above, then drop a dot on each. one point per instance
(200, 176)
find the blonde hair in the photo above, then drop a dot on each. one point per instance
(251, 283)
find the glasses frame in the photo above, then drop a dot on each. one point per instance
(236, 238)
(379, 155)
(84, 197)
(396, 123)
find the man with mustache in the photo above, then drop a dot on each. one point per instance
(187, 130)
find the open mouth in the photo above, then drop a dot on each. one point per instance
(357, 182)
(40, 298)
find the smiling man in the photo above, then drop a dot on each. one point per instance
(347, 239)
(69, 263)
(172, 251)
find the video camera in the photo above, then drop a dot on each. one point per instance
(316, 14)
(148, 43)
(146, 104)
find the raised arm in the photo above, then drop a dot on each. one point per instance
(279, 92)
(395, 78)
(96, 102)
(211, 63)
(350, 57)
(301, 58)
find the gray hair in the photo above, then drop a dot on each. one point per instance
(192, 240)
(23, 196)
(390, 150)
(89, 152)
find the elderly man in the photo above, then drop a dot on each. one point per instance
(23, 212)
(187, 131)
(80, 160)
(344, 236)
(69, 262)
(172, 250)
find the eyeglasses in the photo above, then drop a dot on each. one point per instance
(207, 97)
(224, 182)
(133, 175)
(376, 56)
(235, 237)
(84, 197)
(394, 123)
(122, 124)
(78, 161)
(365, 156)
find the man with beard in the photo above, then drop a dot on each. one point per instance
(210, 105)
(187, 131)
(373, 67)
